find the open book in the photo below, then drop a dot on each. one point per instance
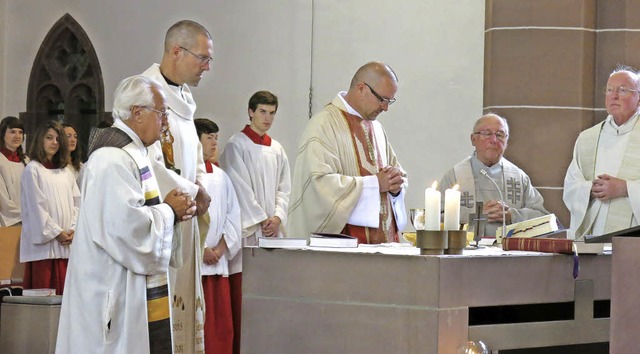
(530, 228)
(320, 239)
(282, 242)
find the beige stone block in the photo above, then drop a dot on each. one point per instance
(539, 68)
(553, 13)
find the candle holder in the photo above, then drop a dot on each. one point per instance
(431, 242)
(457, 241)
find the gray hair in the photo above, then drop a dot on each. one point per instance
(184, 33)
(493, 115)
(133, 91)
(631, 70)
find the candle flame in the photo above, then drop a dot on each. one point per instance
(456, 187)
(434, 185)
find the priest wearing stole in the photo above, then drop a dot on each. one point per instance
(602, 184)
(188, 51)
(116, 294)
(521, 200)
(347, 178)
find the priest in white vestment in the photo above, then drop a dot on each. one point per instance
(602, 184)
(347, 178)
(116, 296)
(188, 51)
(259, 169)
(521, 200)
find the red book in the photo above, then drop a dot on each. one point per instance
(538, 244)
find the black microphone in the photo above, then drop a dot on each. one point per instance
(504, 211)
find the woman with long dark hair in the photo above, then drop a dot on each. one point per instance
(50, 200)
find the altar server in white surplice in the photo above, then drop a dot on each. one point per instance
(522, 201)
(116, 295)
(12, 163)
(259, 170)
(222, 259)
(188, 51)
(602, 185)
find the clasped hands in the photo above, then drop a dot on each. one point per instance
(184, 207)
(494, 211)
(65, 237)
(390, 180)
(607, 187)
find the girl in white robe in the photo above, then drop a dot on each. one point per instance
(75, 151)
(50, 199)
(12, 162)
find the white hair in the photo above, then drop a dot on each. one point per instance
(133, 91)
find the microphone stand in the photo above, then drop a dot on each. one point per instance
(504, 211)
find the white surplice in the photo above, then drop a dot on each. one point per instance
(224, 221)
(262, 180)
(10, 174)
(49, 204)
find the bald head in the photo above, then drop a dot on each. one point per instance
(372, 90)
(372, 72)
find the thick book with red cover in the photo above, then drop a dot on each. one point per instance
(538, 244)
(551, 245)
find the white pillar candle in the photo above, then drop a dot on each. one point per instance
(432, 198)
(452, 208)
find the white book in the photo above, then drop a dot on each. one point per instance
(38, 292)
(319, 239)
(530, 228)
(282, 242)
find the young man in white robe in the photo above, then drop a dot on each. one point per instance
(259, 169)
(522, 201)
(347, 178)
(188, 51)
(222, 259)
(602, 184)
(116, 297)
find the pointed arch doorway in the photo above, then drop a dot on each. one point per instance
(66, 82)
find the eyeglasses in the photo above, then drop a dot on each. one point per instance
(163, 114)
(622, 91)
(486, 134)
(203, 60)
(382, 100)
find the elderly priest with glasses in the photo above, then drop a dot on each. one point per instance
(602, 185)
(480, 174)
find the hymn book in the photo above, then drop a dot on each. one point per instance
(320, 239)
(530, 228)
(282, 242)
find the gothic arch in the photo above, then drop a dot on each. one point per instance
(66, 81)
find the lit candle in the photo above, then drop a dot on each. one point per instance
(432, 198)
(452, 208)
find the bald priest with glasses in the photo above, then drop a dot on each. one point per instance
(522, 201)
(347, 178)
(602, 184)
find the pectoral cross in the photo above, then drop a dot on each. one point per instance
(477, 222)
